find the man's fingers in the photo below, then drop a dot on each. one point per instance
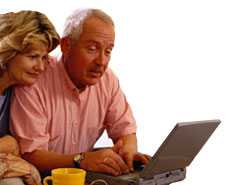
(104, 168)
(120, 162)
(118, 145)
(144, 158)
(147, 157)
(112, 163)
(129, 161)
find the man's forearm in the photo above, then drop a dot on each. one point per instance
(126, 147)
(129, 140)
(46, 161)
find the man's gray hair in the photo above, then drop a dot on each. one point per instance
(74, 23)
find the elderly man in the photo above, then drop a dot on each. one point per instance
(58, 120)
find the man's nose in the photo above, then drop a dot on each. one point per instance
(102, 59)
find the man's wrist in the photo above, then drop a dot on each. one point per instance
(77, 159)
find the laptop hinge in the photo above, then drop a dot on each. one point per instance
(164, 178)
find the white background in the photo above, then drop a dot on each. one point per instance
(169, 56)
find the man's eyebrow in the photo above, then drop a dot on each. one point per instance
(92, 41)
(97, 43)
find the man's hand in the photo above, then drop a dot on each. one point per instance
(126, 147)
(104, 160)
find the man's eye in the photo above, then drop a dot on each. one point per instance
(108, 52)
(92, 48)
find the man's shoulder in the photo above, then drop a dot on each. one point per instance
(51, 66)
(51, 72)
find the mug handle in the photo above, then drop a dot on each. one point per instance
(46, 179)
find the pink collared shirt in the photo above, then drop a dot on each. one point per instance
(53, 116)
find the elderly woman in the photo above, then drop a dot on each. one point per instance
(26, 38)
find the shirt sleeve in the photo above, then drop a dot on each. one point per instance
(119, 118)
(28, 121)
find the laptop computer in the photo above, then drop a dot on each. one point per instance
(170, 160)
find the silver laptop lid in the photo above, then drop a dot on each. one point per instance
(180, 147)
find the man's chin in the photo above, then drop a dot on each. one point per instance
(92, 81)
(89, 82)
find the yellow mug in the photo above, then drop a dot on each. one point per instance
(66, 176)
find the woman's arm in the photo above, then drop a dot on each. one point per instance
(8, 144)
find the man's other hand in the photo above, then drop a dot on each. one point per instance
(128, 152)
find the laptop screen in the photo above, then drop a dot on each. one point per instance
(180, 147)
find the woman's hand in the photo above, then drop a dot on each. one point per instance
(13, 166)
(9, 145)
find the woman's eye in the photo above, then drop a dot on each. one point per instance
(45, 58)
(32, 56)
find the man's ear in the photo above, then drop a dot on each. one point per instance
(65, 45)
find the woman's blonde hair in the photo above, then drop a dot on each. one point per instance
(21, 29)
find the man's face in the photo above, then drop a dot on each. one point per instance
(87, 60)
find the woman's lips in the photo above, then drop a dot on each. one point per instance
(33, 75)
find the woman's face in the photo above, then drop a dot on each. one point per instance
(25, 67)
